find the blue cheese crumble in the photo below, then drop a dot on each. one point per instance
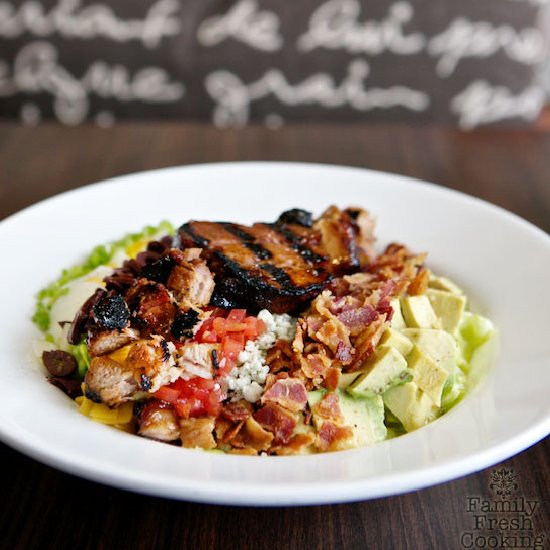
(247, 379)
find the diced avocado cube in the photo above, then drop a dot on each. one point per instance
(427, 374)
(442, 283)
(346, 378)
(364, 415)
(410, 405)
(448, 307)
(393, 338)
(418, 312)
(439, 345)
(397, 320)
(381, 371)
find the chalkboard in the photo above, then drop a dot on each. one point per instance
(464, 62)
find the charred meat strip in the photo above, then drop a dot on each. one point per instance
(280, 266)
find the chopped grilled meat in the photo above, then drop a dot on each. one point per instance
(152, 306)
(109, 382)
(338, 236)
(158, 422)
(152, 363)
(196, 359)
(101, 342)
(192, 282)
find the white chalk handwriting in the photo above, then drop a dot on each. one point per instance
(234, 97)
(258, 29)
(482, 103)
(36, 69)
(335, 25)
(70, 19)
(479, 39)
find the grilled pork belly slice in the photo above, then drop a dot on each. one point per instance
(280, 266)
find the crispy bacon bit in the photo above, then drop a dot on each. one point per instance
(280, 357)
(335, 335)
(357, 318)
(419, 284)
(332, 378)
(289, 393)
(315, 365)
(197, 432)
(298, 444)
(245, 451)
(298, 342)
(237, 411)
(367, 341)
(226, 430)
(331, 437)
(329, 407)
(277, 420)
(253, 435)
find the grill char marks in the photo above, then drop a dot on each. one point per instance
(260, 266)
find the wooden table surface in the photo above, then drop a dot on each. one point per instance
(43, 508)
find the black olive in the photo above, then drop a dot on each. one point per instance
(297, 216)
(111, 312)
(158, 271)
(59, 362)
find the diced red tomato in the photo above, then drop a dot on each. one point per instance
(207, 325)
(231, 329)
(236, 315)
(170, 395)
(193, 398)
(232, 345)
(254, 327)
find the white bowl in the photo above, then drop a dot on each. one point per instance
(499, 259)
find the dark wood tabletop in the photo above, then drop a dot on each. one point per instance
(43, 508)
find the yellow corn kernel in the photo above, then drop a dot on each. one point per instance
(104, 414)
(86, 406)
(79, 399)
(125, 413)
(120, 354)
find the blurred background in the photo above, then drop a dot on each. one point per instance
(468, 64)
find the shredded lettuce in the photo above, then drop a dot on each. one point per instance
(82, 357)
(100, 255)
(474, 331)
